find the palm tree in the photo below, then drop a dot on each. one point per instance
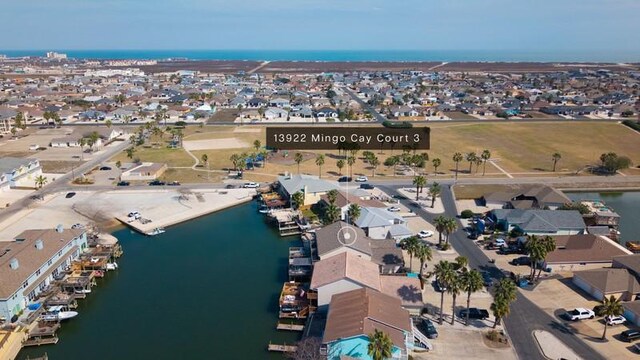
(130, 152)
(354, 212)
(380, 345)
(461, 262)
(471, 281)
(41, 180)
(548, 245)
(319, 162)
(351, 160)
(332, 213)
(340, 165)
(444, 274)
(410, 244)
(257, 145)
(434, 192)
(298, 159)
(457, 157)
(454, 287)
(82, 142)
(205, 159)
(471, 158)
(392, 162)
(298, 199)
(108, 123)
(535, 250)
(374, 162)
(555, 157)
(440, 222)
(610, 307)
(485, 156)
(235, 160)
(332, 195)
(419, 182)
(505, 293)
(264, 154)
(436, 164)
(449, 228)
(424, 254)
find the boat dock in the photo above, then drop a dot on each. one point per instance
(286, 219)
(282, 348)
(289, 326)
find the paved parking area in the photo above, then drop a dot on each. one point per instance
(456, 343)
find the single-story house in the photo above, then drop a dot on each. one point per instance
(378, 223)
(345, 199)
(326, 112)
(311, 186)
(275, 113)
(632, 312)
(539, 222)
(619, 282)
(573, 251)
(536, 196)
(355, 314)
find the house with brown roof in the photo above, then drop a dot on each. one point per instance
(346, 271)
(355, 314)
(526, 197)
(29, 264)
(583, 250)
(621, 280)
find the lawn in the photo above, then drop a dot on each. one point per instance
(519, 148)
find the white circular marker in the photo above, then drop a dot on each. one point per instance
(347, 235)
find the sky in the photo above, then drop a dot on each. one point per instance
(532, 25)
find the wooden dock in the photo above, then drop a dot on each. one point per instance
(282, 348)
(40, 341)
(289, 326)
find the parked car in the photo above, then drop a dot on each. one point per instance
(105, 168)
(134, 214)
(174, 183)
(230, 186)
(630, 335)
(367, 186)
(345, 179)
(473, 236)
(522, 260)
(426, 327)
(500, 242)
(423, 234)
(251, 185)
(70, 195)
(440, 286)
(580, 314)
(615, 320)
(362, 179)
(488, 280)
(508, 250)
(157, 183)
(474, 313)
(123, 183)
(393, 209)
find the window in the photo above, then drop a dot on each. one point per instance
(25, 284)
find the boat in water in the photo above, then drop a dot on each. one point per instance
(112, 266)
(156, 231)
(56, 313)
(82, 291)
(633, 246)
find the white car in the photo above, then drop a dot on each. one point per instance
(251, 185)
(135, 215)
(362, 179)
(580, 314)
(423, 234)
(615, 320)
(393, 209)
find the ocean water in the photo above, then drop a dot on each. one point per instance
(205, 289)
(348, 55)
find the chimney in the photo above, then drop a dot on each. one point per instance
(39, 244)
(14, 264)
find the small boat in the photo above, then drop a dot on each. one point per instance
(633, 246)
(112, 266)
(59, 316)
(98, 273)
(156, 231)
(82, 291)
(263, 210)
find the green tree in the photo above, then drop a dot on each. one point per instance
(457, 157)
(392, 161)
(555, 157)
(436, 164)
(374, 162)
(257, 145)
(485, 156)
(423, 253)
(410, 244)
(419, 182)
(461, 262)
(205, 160)
(298, 199)
(354, 212)
(332, 195)
(20, 121)
(471, 281)
(440, 223)
(610, 307)
(108, 123)
(471, 158)
(118, 164)
(298, 159)
(40, 180)
(332, 214)
(450, 227)
(444, 275)
(380, 345)
(454, 287)
(351, 160)
(340, 165)
(505, 293)
(320, 162)
(130, 151)
(434, 191)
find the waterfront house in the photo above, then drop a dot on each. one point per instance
(311, 186)
(29, 263)
(378, 223)
(18, 172)
(344, 200)
(539, 222)
(621, 280)
(526, 197)
(582, 251)
(355, 314)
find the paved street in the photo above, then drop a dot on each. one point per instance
(364, 105)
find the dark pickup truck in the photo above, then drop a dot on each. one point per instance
(474, 313)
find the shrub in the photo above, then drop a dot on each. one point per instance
(397, 124)
(445, 246)
(466, 214)
(635, 125)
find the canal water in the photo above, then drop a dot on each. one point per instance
(205, 289)
(626, 204)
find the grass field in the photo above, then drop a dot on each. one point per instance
(521, 149)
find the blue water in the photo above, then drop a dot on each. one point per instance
(348, 55)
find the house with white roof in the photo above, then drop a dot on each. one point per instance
(379, 223)
(311, 186)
